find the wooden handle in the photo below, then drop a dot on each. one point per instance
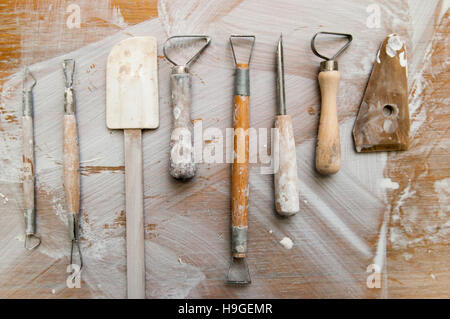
(134, 206)
(328, 149)
(71, 164)
(182, 165)
(28, 162)
(286, 180)
(239, 178)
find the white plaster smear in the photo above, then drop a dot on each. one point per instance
(340, 217)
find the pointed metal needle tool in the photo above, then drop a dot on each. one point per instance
(285, 179)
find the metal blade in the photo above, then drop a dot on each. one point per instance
(238, 273)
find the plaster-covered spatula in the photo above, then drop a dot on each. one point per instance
(132, 105)
(383, 123)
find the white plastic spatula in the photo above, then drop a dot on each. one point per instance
(132, 105)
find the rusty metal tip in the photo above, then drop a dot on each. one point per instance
(238, 273)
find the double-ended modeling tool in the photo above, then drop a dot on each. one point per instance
(182, 162)
(71, 160)
(328, 148)
(31, 239)
(132, 104)
(238, 272)
(285, 178)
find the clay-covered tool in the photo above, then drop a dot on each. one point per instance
(71, 160)
(132, 105)
(328, 148)
(182, 162)
(31, 239)
(285, 178)
(383, 122)
(238, 272)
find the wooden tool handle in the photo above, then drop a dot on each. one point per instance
(71, 164)
(134, 206)
(286, 180)
(28, 162)
(328, 149)
(239, 179)
(182, 165)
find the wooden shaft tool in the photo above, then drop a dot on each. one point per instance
(134, 207)
(238, 272)
(328, 148)
(182, 164)
(28, 163)
(132, 105)
(71, 160)
(285, 178)
(239, 179)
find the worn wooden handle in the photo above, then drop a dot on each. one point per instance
(28, 162)
(328, 149)
(182, 165)
(286, 179)
(239, 178)
(134, 206)
(71, 164)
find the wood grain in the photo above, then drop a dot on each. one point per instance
(240, 169)
(285, 178)
(187, 226)
(328, 149)
(134, 192)
(28, 162)
(71, 164)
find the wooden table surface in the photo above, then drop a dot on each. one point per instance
(407, 224)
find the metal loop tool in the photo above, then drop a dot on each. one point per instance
(234, 36)
(330, 64)
(184, 67)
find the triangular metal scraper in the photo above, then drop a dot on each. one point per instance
(383, 123)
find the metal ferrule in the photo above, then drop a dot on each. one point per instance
(69, 101)
(73, 227)
(180, 69)
(30, 224)
(239, 240)
(27, 103)
(329, 65)
(242, 82)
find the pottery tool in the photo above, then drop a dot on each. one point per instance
(182, 164)
(132, 105)
(238, 272)
(285, 178)
(31, 239)
(71, 160)
(383, 123)
(328, 149)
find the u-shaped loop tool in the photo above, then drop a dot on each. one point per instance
(195, 56)
(334, 57)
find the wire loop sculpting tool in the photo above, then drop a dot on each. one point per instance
(328, 149)
(182, 161)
